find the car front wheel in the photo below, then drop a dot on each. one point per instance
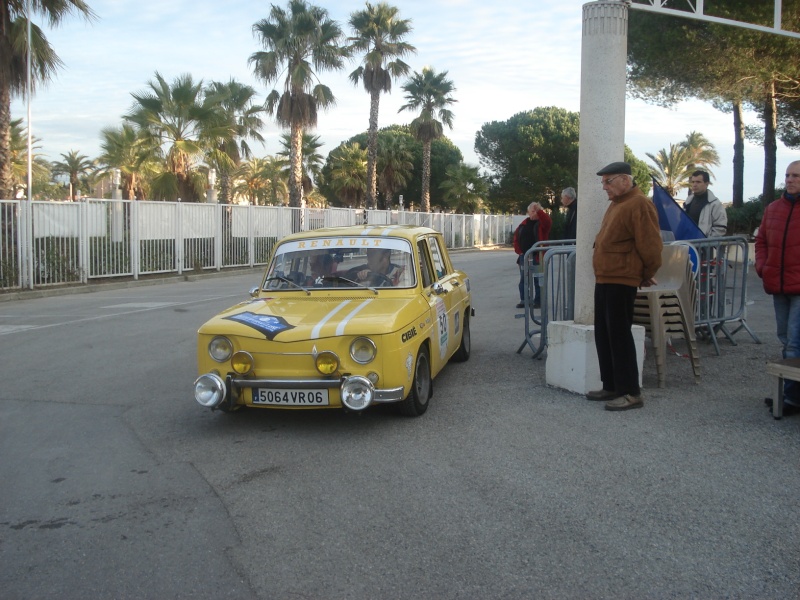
(462, 354)
(422, 387)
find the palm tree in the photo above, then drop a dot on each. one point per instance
(74, 166)
(188, 123)
(348, 173)
(672, 168)
(134, 153)
(379, 33)
(312, 160)
(395, 164)
(13, 60)
(703, 154)
(237, 102)
(429, 92)
(261, 181)
(465, 188)
(19, 158)
(299, 42)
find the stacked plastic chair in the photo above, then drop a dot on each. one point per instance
(667, 309)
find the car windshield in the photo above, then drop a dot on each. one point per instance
(341, 262)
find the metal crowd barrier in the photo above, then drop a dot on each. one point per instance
(556, 275)
(720, 266)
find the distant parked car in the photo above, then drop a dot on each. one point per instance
(345, 317)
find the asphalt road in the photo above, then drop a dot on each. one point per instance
(114, 483)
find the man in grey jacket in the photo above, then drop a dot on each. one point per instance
(704, 208)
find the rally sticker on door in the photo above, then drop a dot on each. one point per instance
(444, 327)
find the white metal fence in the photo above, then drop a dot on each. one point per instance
(49, 243)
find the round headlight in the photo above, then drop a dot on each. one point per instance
(242, 362)
(220, 348)
(357, 392)
(209, 390)
(326, 362)
(362, 350)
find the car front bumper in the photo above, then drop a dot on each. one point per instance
(355, 392)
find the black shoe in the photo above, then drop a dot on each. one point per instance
(521, 305)
(536, 305)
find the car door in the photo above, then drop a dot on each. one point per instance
(445, 295)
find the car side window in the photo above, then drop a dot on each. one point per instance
(424, 265)
(438, 262)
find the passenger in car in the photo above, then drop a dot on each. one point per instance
(320, 265)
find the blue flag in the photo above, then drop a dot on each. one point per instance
(673, 221)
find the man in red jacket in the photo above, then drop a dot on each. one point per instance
(536, 228)
(778, 265)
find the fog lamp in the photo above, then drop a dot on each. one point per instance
(357, 392)
(242, 362)
(209, 390)
(326, 362)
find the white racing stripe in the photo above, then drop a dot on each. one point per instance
(353, 313)
(318, 326)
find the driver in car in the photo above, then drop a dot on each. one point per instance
(379, 270)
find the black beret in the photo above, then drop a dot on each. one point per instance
(615, 168)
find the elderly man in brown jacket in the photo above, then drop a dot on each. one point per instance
(627, 254)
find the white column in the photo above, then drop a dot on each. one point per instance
(602, 132)
(571, 355)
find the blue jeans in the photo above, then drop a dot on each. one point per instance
(787, 318)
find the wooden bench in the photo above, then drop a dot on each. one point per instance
(788, 368)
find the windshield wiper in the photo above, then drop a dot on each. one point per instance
(287, 280)
(350, 281)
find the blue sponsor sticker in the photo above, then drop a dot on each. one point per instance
(267, 324)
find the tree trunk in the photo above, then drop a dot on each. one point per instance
(426, 176)
(372, 149)
(770, 145)
(6, 187)
(738, 155)
(296, 166)
(225, 188)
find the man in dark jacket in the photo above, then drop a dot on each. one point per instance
(535, 228)
(778, 265)
(569, 199)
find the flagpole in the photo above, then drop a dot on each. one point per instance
(28, 94)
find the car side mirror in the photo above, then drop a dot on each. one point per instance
(254, 292)
(438, 289)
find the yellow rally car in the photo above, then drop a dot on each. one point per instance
(345, 317)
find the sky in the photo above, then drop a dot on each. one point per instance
(503, 57)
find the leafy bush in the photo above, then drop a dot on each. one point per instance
(744, 220)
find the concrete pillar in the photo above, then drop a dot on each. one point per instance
(602, 133)
(571, 356)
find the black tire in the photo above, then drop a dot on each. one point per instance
(462, 354)
(421, 388)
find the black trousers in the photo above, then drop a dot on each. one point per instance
(616, 350)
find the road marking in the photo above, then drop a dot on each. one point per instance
(140, 305)
(7, 329)
(13, 328)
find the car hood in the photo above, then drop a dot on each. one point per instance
(297, 318)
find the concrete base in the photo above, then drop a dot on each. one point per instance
(572, 356)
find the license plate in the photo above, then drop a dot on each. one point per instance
(290, 397)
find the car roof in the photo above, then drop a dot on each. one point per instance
(409, 232)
